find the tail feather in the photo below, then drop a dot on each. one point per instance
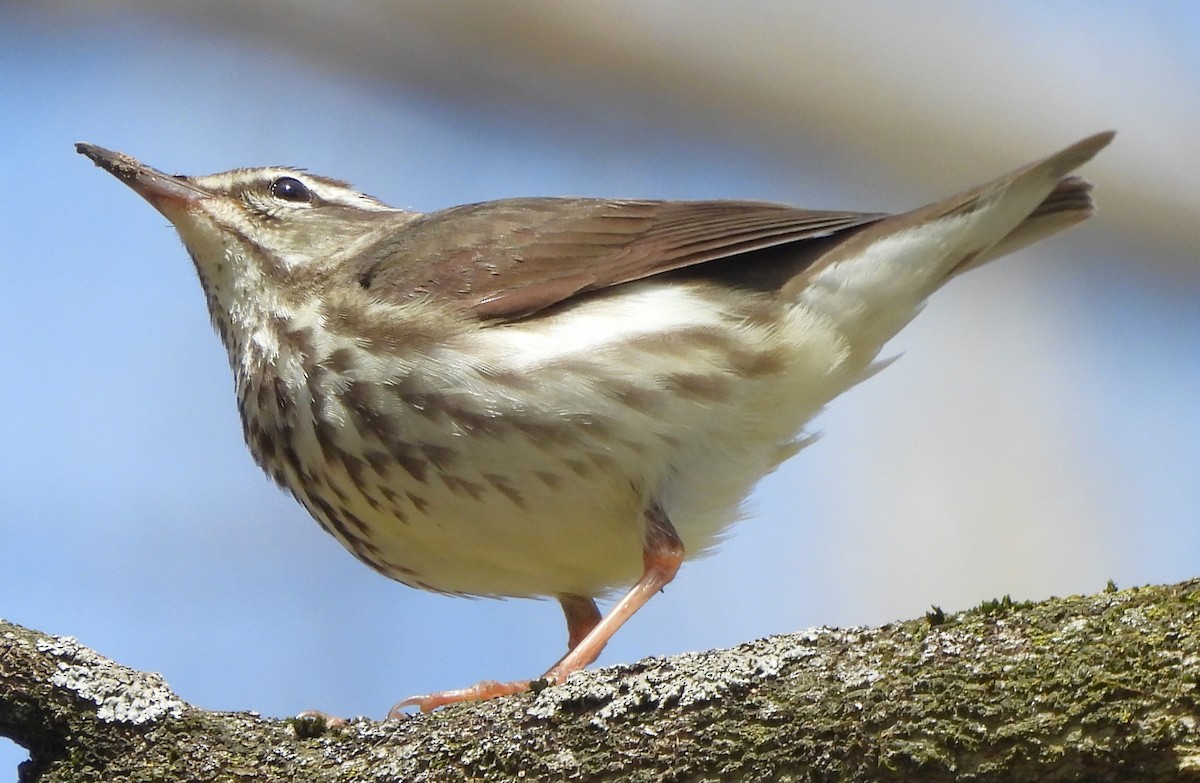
(1058, 202)
(966, 230)
(1069, 204)
(876, 280)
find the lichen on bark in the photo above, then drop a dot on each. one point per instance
(1101, 687)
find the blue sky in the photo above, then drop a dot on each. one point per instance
(134, 519)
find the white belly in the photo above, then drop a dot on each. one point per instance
(525, 473)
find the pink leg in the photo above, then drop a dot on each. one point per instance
(662, 555)
(582, 616)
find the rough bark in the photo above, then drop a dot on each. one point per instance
(1101, 688)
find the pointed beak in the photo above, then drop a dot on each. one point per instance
(166, 193)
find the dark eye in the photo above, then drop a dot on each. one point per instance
(290, 189)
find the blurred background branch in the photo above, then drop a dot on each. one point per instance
(939, 92)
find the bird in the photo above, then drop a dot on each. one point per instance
(557, 397)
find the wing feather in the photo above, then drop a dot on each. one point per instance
(511, 258)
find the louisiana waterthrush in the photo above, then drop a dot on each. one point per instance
(556, 396)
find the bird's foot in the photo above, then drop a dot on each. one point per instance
(480, 691)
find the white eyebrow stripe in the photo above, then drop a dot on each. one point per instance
(327, 190)
(343, 196)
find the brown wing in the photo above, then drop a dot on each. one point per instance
(507, 259)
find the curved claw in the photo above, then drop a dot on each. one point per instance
(480, 691)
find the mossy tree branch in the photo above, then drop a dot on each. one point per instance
(1101, 688)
